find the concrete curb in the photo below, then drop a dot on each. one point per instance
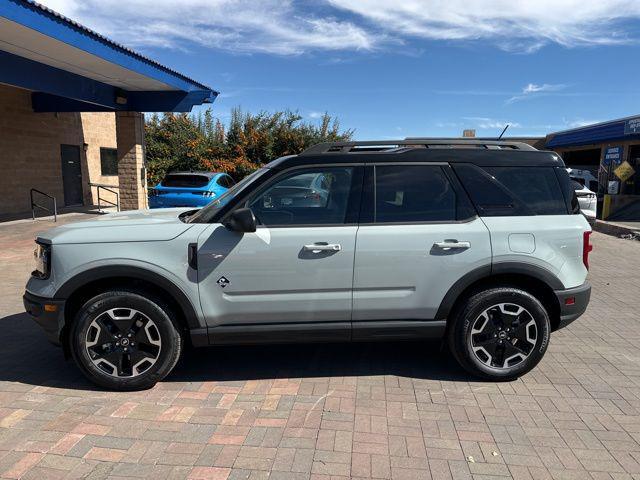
(616, 230)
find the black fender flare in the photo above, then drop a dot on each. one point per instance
(135, 273)
(487, 271)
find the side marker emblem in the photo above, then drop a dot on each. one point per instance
(223, 282)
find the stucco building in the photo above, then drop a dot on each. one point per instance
(71, 104)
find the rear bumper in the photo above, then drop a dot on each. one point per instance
(573, 302)
(170, 200)
(50, 318)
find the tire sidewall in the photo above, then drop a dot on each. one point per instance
(169, 334)
(484, 300)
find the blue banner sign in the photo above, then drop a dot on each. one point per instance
(632, 126)
(612, 155)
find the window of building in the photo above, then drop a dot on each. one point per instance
(413, 193)
(317, 196)
(108, 161)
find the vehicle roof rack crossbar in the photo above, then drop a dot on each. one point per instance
(391, 146)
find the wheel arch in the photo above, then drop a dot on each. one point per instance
(533, 279)
(80, 288)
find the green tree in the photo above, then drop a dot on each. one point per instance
(189, 142)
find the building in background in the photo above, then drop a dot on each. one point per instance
(611, 151)
(71, 104)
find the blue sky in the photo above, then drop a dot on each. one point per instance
(395, 69)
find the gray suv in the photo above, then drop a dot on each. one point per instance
(477, 242)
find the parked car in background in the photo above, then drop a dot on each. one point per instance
(189, 189)
(584, 177)
(587, 199)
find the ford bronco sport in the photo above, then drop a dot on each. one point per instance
(477, 242)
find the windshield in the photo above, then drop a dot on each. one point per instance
(205, 214)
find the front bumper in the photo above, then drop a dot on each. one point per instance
(573, 302)
(46, 312)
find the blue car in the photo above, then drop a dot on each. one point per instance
(189, 189)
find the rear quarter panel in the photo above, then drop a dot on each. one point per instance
(552, 242)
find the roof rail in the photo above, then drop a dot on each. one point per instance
(421, 142)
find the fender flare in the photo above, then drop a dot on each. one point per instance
(534, 271)
(136, 273)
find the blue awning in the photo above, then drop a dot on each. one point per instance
(612, 131)
(71, 68)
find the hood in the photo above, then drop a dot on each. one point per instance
(129, 226)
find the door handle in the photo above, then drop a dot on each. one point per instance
(452, 245)
(323, 247)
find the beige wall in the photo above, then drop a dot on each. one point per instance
(30, 149)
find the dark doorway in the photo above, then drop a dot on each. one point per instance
(634, 160)
(583, 159)
(71, 174)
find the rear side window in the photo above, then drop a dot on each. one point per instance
(225, 181)
(415, 193)
(506, 191)
(536, 187)
(187, 181)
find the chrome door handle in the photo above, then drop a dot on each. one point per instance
(451, 245)
(323, 247)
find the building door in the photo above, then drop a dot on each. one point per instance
(634, 160)
(71, 174)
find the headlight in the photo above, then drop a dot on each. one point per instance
(42, 257)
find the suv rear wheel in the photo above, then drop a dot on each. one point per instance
(123, 340)
(500, 333)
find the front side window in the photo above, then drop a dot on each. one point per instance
(413, 193)
(315, 196)
(108, 161)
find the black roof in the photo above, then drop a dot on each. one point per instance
(483, 152)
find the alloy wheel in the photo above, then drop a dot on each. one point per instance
(503, 335)
(123, 342)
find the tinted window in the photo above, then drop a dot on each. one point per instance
(108, 161)
(225, 181)
(316, 196)
(187, 181)
(504, 191)
(413, 193)
(536, 187)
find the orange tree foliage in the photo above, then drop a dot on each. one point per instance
(182, 142)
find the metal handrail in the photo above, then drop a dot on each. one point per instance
(34, 205)
(108, 188)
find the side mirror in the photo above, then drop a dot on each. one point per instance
(241, 220)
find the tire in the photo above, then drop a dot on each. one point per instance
(499, 334)
(125, 340)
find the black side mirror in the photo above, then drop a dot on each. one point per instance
(241, 220)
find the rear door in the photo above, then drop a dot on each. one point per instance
(418, 236)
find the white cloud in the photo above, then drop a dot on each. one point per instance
(290, 27)
(244, 26)
(315, 115)
(532, 89)
(486, 123)
(512, 25)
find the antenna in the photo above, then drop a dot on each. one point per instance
(505, 129)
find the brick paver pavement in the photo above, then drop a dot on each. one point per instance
(331, 411)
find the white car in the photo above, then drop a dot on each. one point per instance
(587, 200)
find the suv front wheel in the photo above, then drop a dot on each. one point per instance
(500, 333)
(125, 340)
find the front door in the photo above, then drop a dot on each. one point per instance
(297, 268)
(71, 174)
(420, 237)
